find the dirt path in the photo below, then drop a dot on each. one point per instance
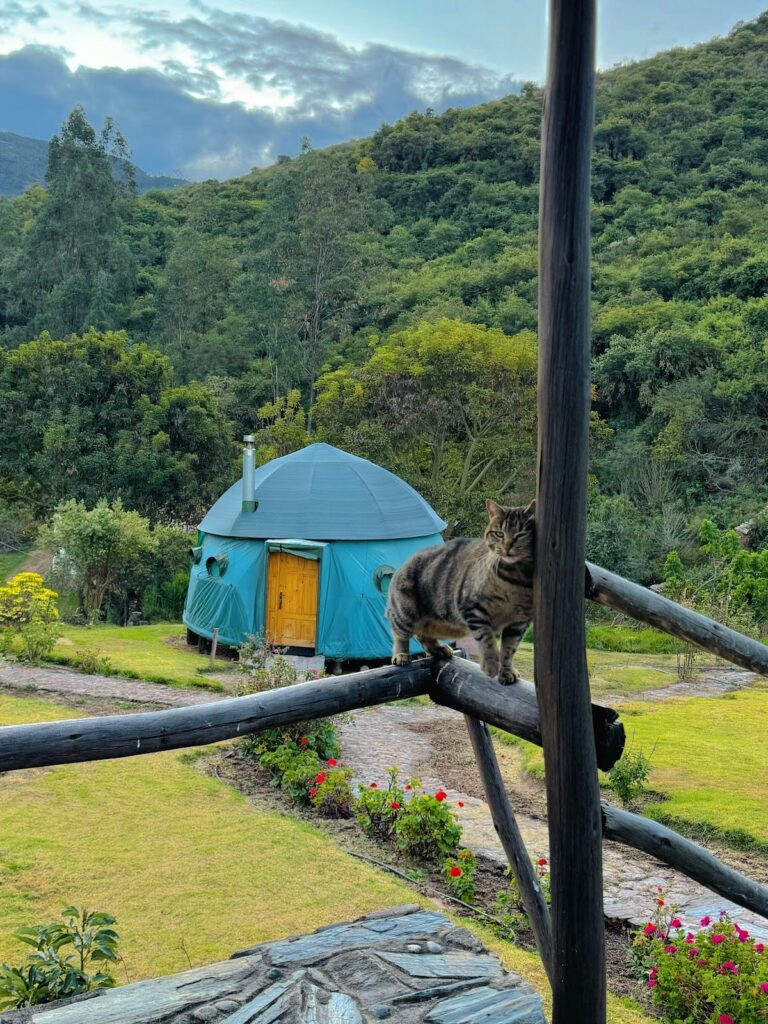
(65, 681)
(430, 743)
(713, 682)
(36, 561)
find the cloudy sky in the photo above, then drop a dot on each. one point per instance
(210, 90)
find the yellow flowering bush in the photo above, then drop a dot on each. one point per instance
(28, 609)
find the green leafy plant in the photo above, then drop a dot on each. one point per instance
(332, 793)
(509, 910)
(629, 775)
(294, 770)
(426, 827)
(92, 663)
(51, 971)
(378, 808)
(459, 872)
(715, 973)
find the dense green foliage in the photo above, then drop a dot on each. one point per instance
(363, 279)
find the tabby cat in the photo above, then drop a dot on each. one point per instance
(483, 587)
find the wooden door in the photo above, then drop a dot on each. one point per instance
(292, 600)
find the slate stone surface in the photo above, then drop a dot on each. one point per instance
(405, 964)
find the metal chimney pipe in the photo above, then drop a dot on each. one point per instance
(249, 474)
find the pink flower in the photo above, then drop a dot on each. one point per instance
(652, 982)
(675, 923)
(693, 953)
(742, 934)
(729, 966)
(705, 921)
(653, 972)
(689, 938)
(724, 1018)
(670, 949)
(312, 791)
(650, 929)
(764, 987)
(717, 939)
(759, 947)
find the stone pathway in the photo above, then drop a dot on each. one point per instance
(712, 682)
(62, 680)
(400, 735)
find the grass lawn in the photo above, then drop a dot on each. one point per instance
(711, 759)
(142, 651)
(10, 563)
(708, 756)
(190, 869)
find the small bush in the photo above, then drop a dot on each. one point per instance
(28, 610)
(460, 874)
(629, 775)
(49, 972)
(295, 770)
(378, 809)
(426, 827)
(509, 910)
(630, 641)
(714, 974)
(92, 663)
(332, 793)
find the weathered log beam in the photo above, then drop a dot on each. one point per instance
(461, 685)
(641, 603)
(509, 834)
(694, 861)
(92, 739)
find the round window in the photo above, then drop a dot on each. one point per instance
(382, 576)
(217, 564)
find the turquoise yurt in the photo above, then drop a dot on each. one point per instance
(301, 551)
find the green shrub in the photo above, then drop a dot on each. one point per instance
(295, 770)
(629, 640)
(92, 663)
(713, 973)
(426, 827)
(332, 793)
(508, 910)
(629, 775)
(50, 972)
(377, 809)
(460, 874)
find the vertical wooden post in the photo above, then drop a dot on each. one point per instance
(214, 645)
(578, 947)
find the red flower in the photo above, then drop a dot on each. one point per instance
(764, 987)
(461, 803)
(407, 787)
(303, 741)
(395, 805)
(455, 872)
(705, 921)
(670, 949)
(675, 923)
(650, 929)
(660, 902)
(542, 862)
(717, 939)
(332, 762)
(693, 953)
(759, 947)
(724, 1018)
(320, 779)
(312, 791)
(374, 785)
(441, 795)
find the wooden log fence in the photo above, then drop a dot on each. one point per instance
(646, 605)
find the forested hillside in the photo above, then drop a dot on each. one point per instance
(383, 296)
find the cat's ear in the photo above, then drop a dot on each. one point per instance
(492, 508)
(530, 510)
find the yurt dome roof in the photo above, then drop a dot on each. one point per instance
(323, 493)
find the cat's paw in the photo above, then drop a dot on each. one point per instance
(508, 676)
(442, 652)
(401, 659)
(491, 668)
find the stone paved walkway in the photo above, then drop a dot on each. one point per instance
(400, 735)
(62, 680)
